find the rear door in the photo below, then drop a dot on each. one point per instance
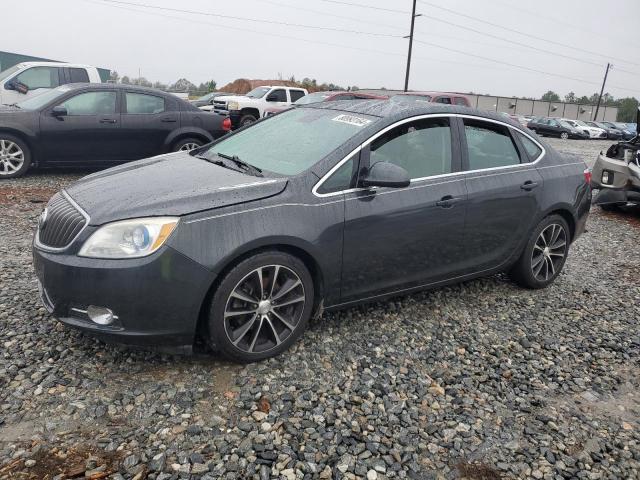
(399, 238)
(89, 133)
(147, 121)
(504, 191)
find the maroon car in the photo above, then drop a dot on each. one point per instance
(325, 97)
(435, 97)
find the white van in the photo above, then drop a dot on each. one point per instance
(29, 79)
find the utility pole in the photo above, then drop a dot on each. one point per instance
(606, 72)
(410, 37)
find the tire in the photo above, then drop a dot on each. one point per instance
(246, 120)
(15, 156)
(264, 329)
(533, 270)
(564, 135)
(612, 207)
(186, 144)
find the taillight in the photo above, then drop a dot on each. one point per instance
(226, 124)
(587, 176)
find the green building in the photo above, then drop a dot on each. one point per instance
(9, 59)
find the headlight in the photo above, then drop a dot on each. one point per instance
(233, 106)
(129, 238)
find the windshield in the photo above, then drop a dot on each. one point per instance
(565, 124)
(258, 92)
(8, 72)
(208, 96)
(411, 98)
(41, 100)
(581, 123)
(312, 98)
(293, 141)
(623, 126)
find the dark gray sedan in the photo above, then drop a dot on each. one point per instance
(240, 242)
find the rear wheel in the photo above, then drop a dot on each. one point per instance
(15, 156)
(247, 119)
(261, 307)
(186, 144)
(564, 135)
(544, 255)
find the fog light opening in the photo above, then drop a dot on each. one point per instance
(605, 177)
(100, 315)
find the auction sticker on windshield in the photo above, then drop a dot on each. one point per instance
(352, 120)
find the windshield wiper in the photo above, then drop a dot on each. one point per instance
(220, 163)
(11, 105)
(247, 167)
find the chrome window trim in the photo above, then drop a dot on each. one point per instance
(60, 249)
(319, 183)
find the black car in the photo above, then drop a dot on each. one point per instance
(320, 207)
(100, 125)
(553, 127)
(208, 98)
(624, 130)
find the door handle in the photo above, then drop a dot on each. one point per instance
(529, 185)
(108, 120)
(448, 201)
(168, 120)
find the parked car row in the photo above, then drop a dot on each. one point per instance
(579, 129)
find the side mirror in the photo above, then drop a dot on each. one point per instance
(59, 111)
(272, 97)
(385, 174)
(17, 86)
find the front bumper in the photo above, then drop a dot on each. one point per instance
(156, 299)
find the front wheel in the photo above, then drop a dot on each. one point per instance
(544, 255)
(261, 307)
(15, 156)
(564, 135)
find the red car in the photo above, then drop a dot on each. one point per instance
(325, 97)
(436, 97)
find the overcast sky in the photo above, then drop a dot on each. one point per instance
(166, 45)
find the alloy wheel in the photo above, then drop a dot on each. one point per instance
(564, 135)
(549, 252)
(264, 308)
(188, 146)
(11, 157)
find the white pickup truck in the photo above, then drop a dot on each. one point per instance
(245, 109)
(29, 79)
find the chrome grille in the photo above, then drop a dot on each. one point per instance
(61, 224)
(219, 105)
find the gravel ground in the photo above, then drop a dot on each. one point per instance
(481, 380)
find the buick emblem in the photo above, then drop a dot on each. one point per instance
(43, 219)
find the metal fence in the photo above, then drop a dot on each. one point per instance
(538, 108)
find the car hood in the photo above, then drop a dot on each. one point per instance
(169, 185)
(239, 98)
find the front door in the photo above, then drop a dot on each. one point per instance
(398, 238)
(88, 133)
(504, 190)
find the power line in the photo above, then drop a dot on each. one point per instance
(521, 67)
(344, 17)
(519, 32)
(362, 5)
(247, 19)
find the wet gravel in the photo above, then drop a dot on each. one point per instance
(481, 380)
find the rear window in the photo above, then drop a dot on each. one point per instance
(293, 141)
(78, 75)
(532, 148)
(489, 145)
(143, 104)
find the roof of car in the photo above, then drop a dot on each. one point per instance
(385, 108)
(117, 86)
(432, 94)
(55, 64)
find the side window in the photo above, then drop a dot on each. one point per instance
(422, 148)
(279, 95)
(78, 75)
(460, 101)
(446, 100)
(341, 179)
(552, 123)
(533, 150)
(91, 103)
(143, 103)
(489, 145)
(39, 77)
(296, 95)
